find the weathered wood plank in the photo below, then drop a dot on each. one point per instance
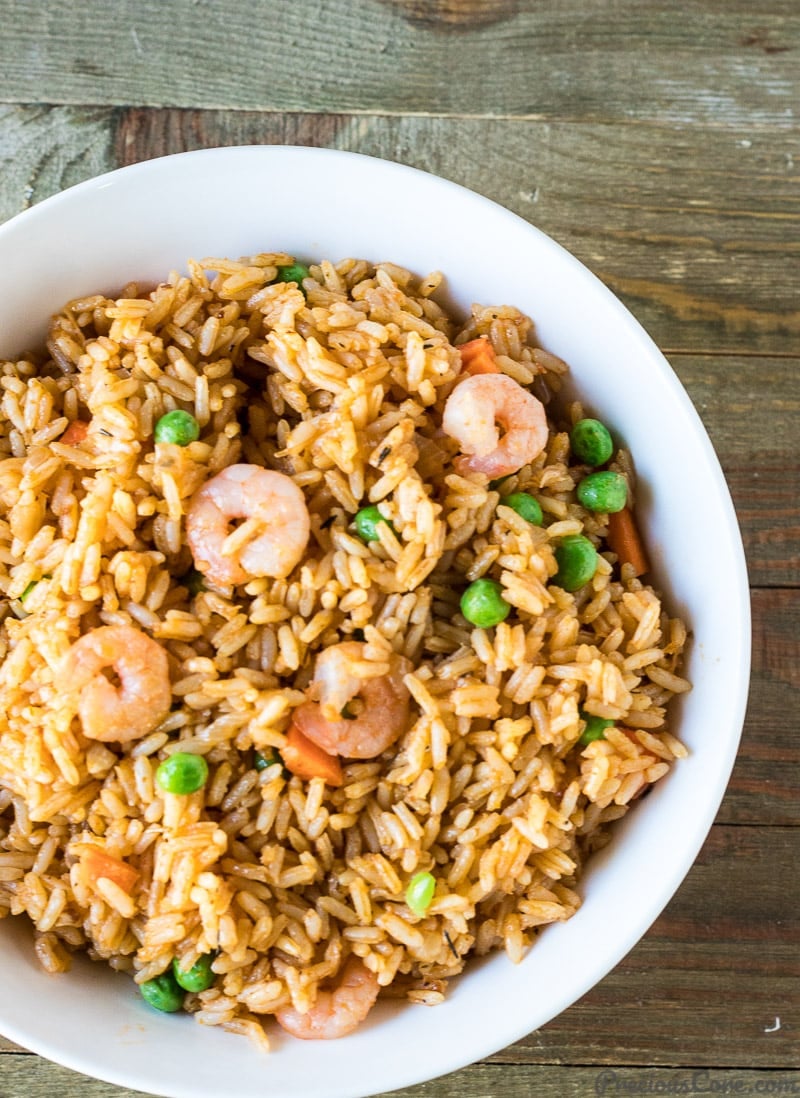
(642, 206)
(43, 150)
(25, 1074)
(764, 787)
(750, 407)
(623, 199)
(37, 1078)
(704, 987)
(766, 496)
(719, 63)
(639, 205)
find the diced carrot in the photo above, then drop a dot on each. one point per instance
(478, 357)
(99, 864)
(302, 756)
(75, 433)
(625, 540)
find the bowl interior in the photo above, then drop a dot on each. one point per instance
(141, 222)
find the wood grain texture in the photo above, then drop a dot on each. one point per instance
(640, 205)
(720, 62)
(764, 787)
(43, 150)
(43, 1080)
(750, 406)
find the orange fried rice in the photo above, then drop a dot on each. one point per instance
(484, 790)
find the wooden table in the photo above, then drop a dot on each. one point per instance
(659, 142)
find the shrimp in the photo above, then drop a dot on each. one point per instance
(384, 701)
(271, 540)
(143, 698)
(472, 412)
(336, 1012)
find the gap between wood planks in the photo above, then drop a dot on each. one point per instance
(544, 118)
(727, 352)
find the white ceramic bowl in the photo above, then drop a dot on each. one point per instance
(141, 222)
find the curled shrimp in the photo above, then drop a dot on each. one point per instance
(338, 1011)
(471, 415)
(338, 682)
(272, 537)
(141, 701)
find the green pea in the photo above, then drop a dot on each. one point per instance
(591, 442)
(577, 562)
(605, 492)
(182, 773)
(163, 993)
(595, 728)
(367, 521)
(263, 759)
(525, 506)
(483, 604)
(419, 892)
(295, 272)
(178, 427)
(198, 977)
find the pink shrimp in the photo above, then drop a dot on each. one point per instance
(471, 415)
(383, 699)
(338, 1011)
(270, 541)
(143, 698)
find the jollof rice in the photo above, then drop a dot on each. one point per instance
(339, 383)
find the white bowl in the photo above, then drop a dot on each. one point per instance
(140, 222)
